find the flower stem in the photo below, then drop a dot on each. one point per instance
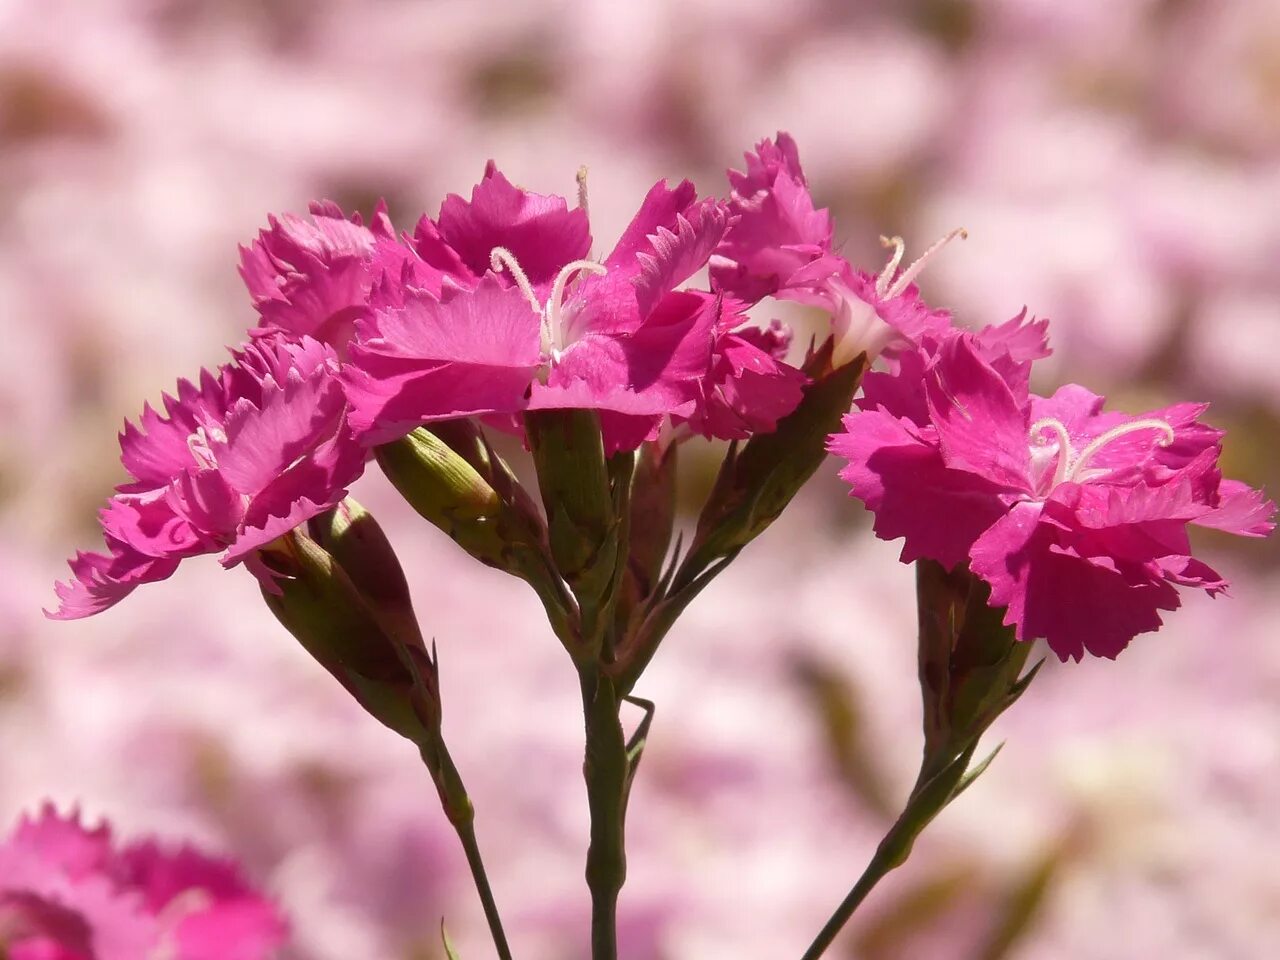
(467, 835)
(458, 808)
(605, 770)
(932, 792)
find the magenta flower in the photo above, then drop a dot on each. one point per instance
(1077, 518)
(502, 313)
(66, 893)
(748, 386)
(781, 245)
(236, 461)
(313, 278)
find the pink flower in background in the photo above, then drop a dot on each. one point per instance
(781, 245)
(66, 893)
(238, 459)
(498, 316)
(1076, 518)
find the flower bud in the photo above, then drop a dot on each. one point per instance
(366, 646)
(450, 476)
(652, 520)
(355, 541)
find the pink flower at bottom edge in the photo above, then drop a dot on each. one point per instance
(67, 894)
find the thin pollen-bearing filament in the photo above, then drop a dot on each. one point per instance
(1072, 465)
(1115, 433)
(500, 258)
(886, 286)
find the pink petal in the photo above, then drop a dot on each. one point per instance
(982, 426)
(1075, 603)
(1241, 510)
(471, 353)
(901, 477)
(540, 230)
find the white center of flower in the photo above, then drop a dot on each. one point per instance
(500, 258)
(1073, 466)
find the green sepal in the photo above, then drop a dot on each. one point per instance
(759, 478)
(460, 492)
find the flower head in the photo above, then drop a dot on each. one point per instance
(236, 459)
(67, 893)
(1076, 517)
(781, 245)
(522, 321)
(314, 278)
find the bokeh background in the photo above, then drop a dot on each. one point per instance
(1117, 166)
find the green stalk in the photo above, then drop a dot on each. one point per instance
(461, 813)
(605, 770)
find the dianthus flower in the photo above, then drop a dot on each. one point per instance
(781, 245)
(314, 278)
(237, 459)
(1076, 518)
(503, 312)
(66, 893)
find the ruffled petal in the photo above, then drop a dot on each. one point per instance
(901, 477)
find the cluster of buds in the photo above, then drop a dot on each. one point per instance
(1031, 517)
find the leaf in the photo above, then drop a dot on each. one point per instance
(449, 952)
(975, 773)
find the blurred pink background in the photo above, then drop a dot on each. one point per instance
(1117, 166)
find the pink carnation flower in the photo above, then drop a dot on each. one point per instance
(1076, 517)
(748, 386)
(237, 460)
(66, 893)
(313, 278)
(501, 313)
(781, 245)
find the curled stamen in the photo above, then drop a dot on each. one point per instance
(1133, 426)
(500, 258)
(552, 309)
(913, 271)
(1065, 451)
(899, 248)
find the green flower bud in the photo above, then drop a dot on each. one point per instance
(380, 662)
(466, 491)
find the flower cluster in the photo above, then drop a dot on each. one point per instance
(67, 893)
(495, 310)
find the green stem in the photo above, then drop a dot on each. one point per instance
(605, 771)
(931, 793)
(458, 808)
(879, 866)
(467, 834)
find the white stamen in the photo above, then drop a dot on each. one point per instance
(551, 312)
(500, 258)
(1133, 426)
(913, 271)
(899, 247)
(1065, 451)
